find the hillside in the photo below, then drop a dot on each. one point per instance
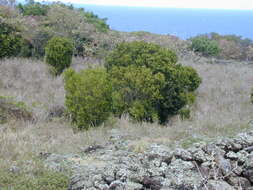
(40, 149)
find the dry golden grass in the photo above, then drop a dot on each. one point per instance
(223, 101)
(222, 108)
(21, 140)
(30, 81)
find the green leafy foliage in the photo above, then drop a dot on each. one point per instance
(10, 40)
(88, 97)
(136, 91)
(205, 46)
(147, 81)
(59, 53)
(141, 54)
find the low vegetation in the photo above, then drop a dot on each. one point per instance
(11, 109)
(159, 92)
(50, 20)
(33, 177)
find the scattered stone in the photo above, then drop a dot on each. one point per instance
(56, 111)
(14, 169)
(239, 182)
(151, 183)
(91, 149)
(249, 149)
(249, 174)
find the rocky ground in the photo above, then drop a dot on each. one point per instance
(226, 164)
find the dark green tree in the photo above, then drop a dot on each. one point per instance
(59, 53)
(147, 81)
(10, 40)
(205, 46)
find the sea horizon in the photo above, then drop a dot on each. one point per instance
(181, 22)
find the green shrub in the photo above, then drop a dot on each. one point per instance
(10, 40)
(88, 97)
(141, 54)
(33, 9)
(205, 46)
(185, 113)
(147, 81)
(251, 96)
(99, 23)
(59, 53)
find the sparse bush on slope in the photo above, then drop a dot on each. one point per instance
(205, 46)
(40, 22)
(59, 53)
(88, 97)
(147, 81)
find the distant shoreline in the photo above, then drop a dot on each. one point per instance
(184, 23)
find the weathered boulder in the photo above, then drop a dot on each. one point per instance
(219, 185)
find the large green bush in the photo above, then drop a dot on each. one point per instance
(10, 40)
(59, 53)
(88, 97)
(205, 46)
(147, 81)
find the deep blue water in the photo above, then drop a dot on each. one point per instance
(183, 23)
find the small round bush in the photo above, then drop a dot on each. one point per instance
(205, 46)
(147, 81)
(88, 97)
(59, 53)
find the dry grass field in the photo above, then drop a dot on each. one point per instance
(222, 108)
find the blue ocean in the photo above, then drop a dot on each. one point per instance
(183, 23)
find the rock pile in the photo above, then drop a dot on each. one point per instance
(226, 164)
